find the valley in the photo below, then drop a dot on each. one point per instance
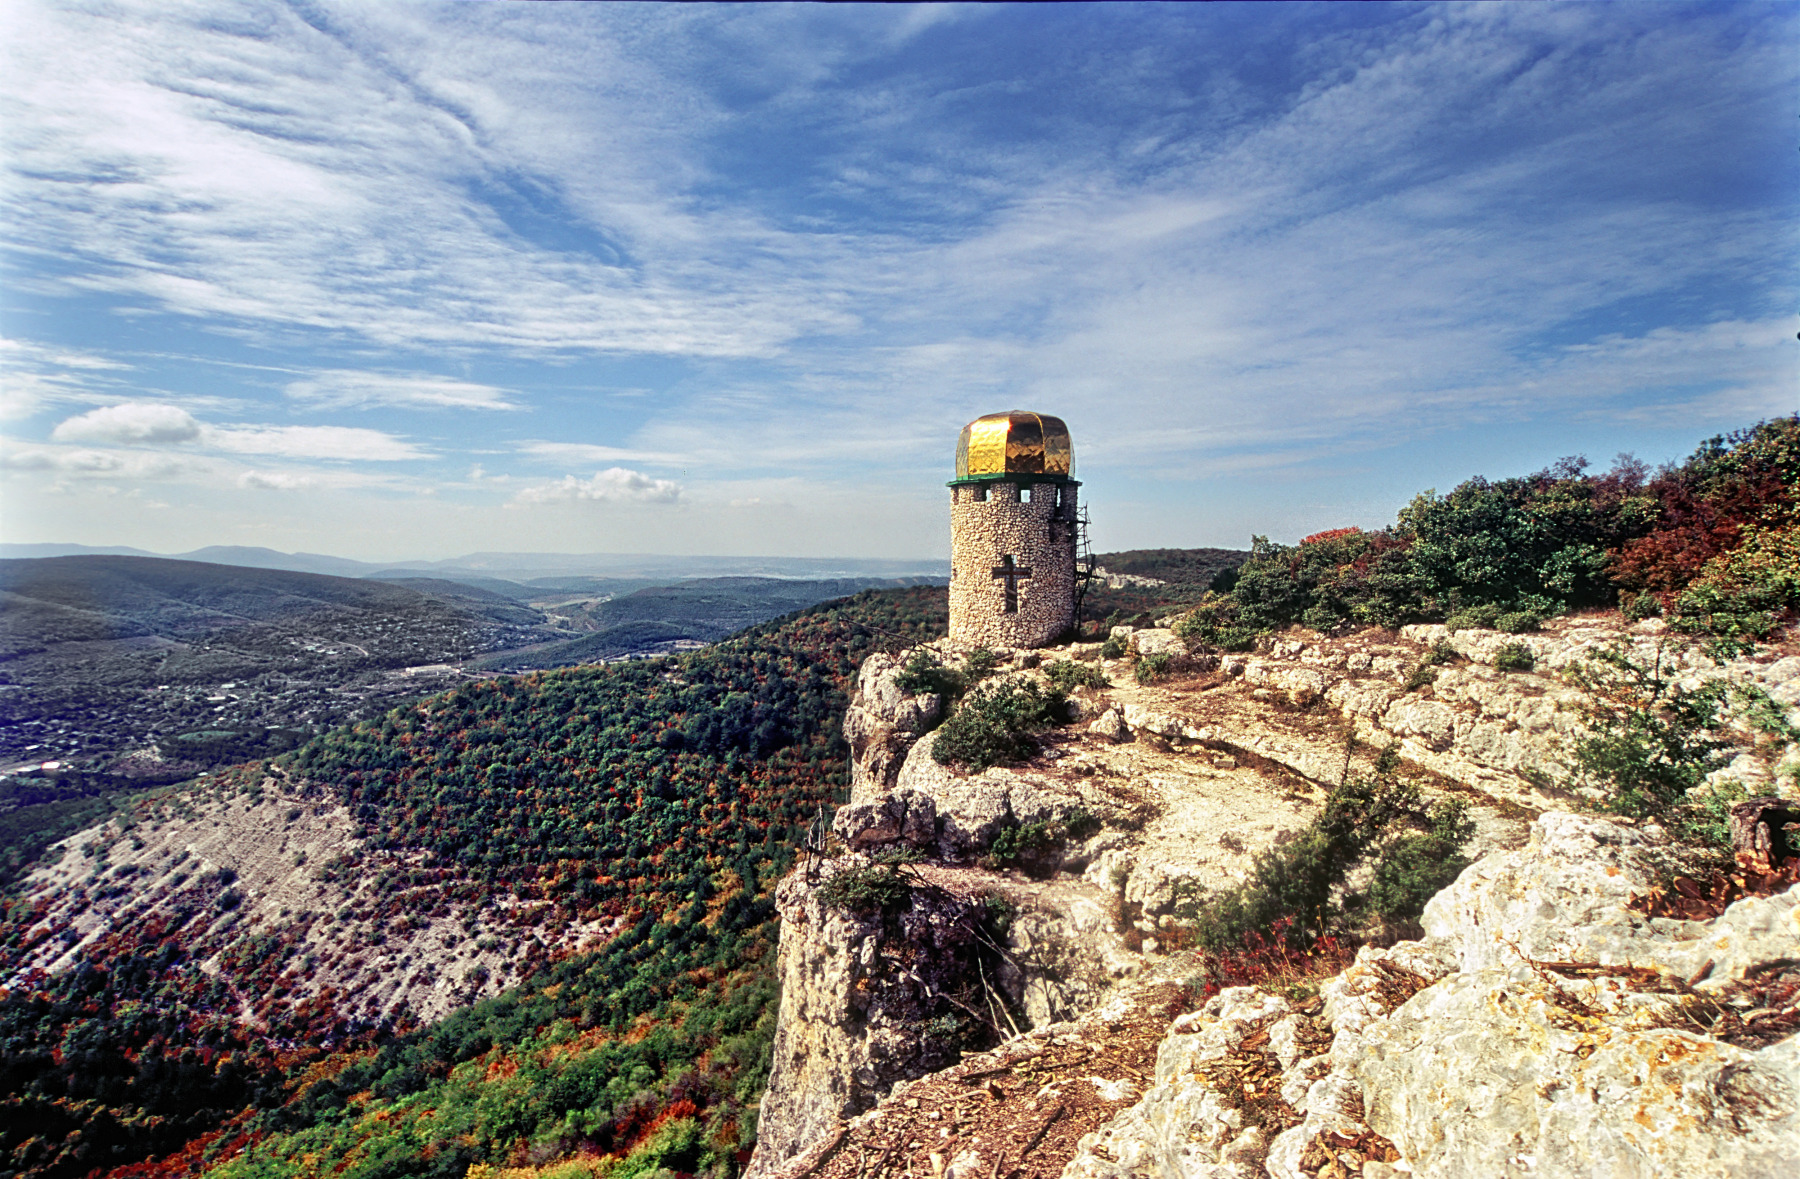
(768, 905)
(117, 671)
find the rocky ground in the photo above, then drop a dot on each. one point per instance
(1542, 1026)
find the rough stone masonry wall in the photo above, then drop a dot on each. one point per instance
(984, 531)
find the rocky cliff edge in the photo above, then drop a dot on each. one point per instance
(1542, 1026)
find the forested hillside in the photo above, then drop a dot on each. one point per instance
(213, 663)
(663, 799)
(668, 794)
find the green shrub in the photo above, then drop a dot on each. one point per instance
(1518, 622)
(1237, 638)
(1413, 868)
(949, 1028)
(980, 664)
(1290, 886)
(1322, 618)
(1474, 618)
(883, 885)
(1744, 594)
(998, 914)
(1441, 654)
(925, 674)
(1151, 668)
(995, 726)
(1515, 657)
(1030, 845)
(1037, 846)
(1080, 823)
(1216, 622)
(1066, 675)
(1637, 607)
(1112, 648)
(1421, 675)
(1649, 741)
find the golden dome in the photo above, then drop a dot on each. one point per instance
(1014, 443)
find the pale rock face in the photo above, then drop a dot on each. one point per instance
(1494, 1066)
(1431, 722)
(1111, 725)
(1478, 1062)
(905, 816)
(1158, 642)
(1182, 1128)
(856, 992)
(1364, 699)
(881, 724)
(1488, 1072)
(973, 809)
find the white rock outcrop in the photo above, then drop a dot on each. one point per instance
(1473, 1056)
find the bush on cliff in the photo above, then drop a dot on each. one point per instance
(925, 674)
(883, 884)
(995, 725)
(1066, 675)
(1652, 742)
(1412, 867)
(1292, 886)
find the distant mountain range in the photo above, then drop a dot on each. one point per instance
(483, 569)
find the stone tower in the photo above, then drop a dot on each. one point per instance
(1012, 531)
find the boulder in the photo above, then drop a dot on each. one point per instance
(1153, 642)
(1110, 725)
(905, 816)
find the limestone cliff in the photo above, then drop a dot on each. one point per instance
(1541, 1026)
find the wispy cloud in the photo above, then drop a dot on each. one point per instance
(814, 239)
(91, 463)
(347, 443)
(613, 485)
(33, 376)
(585, 452)
(347, 387)
(361, 173)
(275, 481)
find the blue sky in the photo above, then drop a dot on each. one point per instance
(413, 280)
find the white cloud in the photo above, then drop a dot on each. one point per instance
(583, 452)
(350, 387)
(365, 174)
(157, 424)
(274, 481)
(313, 442)
(89, 463)
(131, 424)
(1395, 225)
(614, 485)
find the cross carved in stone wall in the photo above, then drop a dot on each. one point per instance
(1012, 574)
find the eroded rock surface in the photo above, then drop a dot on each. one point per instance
(868, 998)
(1541, 1027)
